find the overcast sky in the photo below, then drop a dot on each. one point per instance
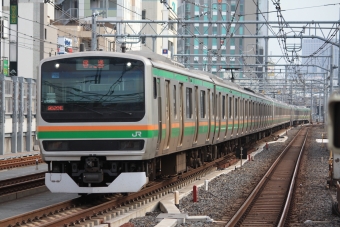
(302, 10)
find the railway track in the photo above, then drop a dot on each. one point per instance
(93, 207)
(20, 162)
(22, 183)
(268, 204)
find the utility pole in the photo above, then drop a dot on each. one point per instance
(13, 40)
(94, 32)
(331, 72)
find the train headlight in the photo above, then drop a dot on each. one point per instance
(57, 65)
(128, 64)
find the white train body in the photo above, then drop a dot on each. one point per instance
(109, 121)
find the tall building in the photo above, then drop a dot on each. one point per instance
(74, 21)
(218, 54)
(319, 64)
(155, 10)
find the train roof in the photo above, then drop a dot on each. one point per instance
(156, 57)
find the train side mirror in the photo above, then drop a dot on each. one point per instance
(334, 123)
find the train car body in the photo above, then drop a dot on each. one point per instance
(108, 122)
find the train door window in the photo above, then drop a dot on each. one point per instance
(212, 103)
(223, 106)
(236, 109)
(202, 104)
(175, 102)
(241, 114)
(230, 107)
(188, 102)
(155, 87)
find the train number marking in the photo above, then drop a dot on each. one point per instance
(137, 134)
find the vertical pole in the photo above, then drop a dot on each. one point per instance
(13, 38)
(29, 115)
(195, 194)
(285, 86)
(165, 17)
(264, 78)
(339, 60)
(20, 114)
(324, 98)
(311, 99)
(241, 155)
(319, 106)
(14, 139)
(153, 44)
(94, 32)
(331, 72)
(2, 114)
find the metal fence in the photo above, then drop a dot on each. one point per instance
(17, 114)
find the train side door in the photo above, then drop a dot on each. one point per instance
(237, 119)
(167, 120)
(209, 114)
(231, 114)
(226, 114)
(181, 116)
(196, 111)
(218, 116)
(159, 110)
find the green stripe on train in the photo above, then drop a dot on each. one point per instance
(97, 134)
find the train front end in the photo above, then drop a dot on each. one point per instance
(92, 127)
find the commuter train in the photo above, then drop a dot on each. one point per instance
(109, 122)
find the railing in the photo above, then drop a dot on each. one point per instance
(17, 114)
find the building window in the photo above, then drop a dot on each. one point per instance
(45, 33)
(143, 14)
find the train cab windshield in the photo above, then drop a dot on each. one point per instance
(92, 89)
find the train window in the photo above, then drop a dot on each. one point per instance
(202, 104)
(223, 106)
(236, 102)
(175, 102)
(230, 107)
(188, 102)
(155, 87)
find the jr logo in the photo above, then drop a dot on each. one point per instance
(137, 134)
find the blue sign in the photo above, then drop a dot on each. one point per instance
(165, 51)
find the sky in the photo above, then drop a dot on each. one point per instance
(302, 10)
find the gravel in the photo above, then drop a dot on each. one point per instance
(311, 207)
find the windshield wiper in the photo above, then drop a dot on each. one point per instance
(120, 111)
(94, 111)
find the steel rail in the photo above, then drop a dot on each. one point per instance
(292, 186)
(238, 215)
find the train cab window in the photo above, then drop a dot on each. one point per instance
(230, 107)
(223, 107)
(175, 102)
(188, 102)
(202, 104)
